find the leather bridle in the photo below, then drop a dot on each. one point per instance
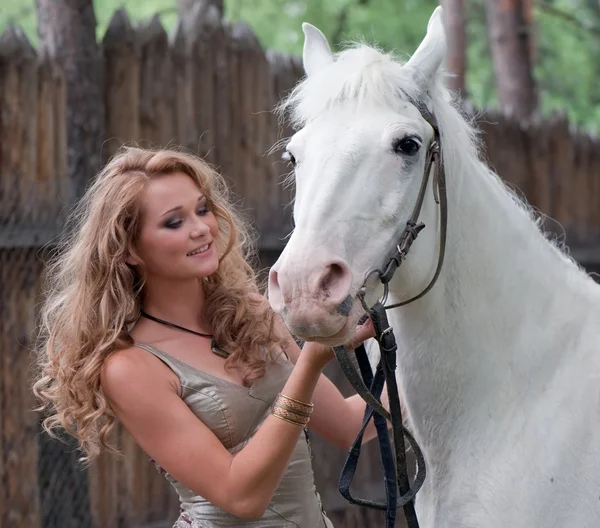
(370, 386)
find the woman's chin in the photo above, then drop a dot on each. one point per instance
(206, 269)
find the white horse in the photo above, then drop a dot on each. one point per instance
(499, 364)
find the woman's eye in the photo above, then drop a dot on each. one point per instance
(289, 157)
(202, 211)
(173, 224)
(407, 145)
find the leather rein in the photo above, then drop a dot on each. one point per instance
(398, 490)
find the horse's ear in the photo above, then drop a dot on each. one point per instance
(316, 53)
(426, 61)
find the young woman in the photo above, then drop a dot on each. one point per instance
(152, 316)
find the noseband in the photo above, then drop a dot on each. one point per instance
(370, 386)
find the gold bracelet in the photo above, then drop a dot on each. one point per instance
(289, 421)
(290, 413)
(293, 407)
(293, 404)
(295, 401)
(289, 416)
(290, 409)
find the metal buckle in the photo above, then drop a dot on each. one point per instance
(401, 252)
(386, 331)
(363, 291)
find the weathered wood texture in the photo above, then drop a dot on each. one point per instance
(209, 88)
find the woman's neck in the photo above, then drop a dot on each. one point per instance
(179, 302)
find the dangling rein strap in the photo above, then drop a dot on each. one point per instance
(394, 481)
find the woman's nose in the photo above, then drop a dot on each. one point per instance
(200, 229)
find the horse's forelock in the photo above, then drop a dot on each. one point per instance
(359, 74)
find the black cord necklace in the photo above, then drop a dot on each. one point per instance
(213, 343)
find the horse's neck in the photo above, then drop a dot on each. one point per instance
(474, 343)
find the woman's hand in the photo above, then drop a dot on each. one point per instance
(320, 354)
(361, 334)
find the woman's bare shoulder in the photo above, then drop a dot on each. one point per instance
(133, 369)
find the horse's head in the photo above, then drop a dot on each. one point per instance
(359, 157)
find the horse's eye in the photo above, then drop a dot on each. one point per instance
(289, 157)
(407, 145)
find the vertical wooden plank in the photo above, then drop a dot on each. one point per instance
(48, 182)
(245, 117)
(556, 199)
(20, 493)
(9, 47)
(157, 96)
(18, 84)
(127, 481)
(540, 161)
(222, 111)
(587, 200)
(27, 160)
(289, 77)
(19, 497)
(576, 184)
(199, 100)
(103, 485)
(520, 144)
(25, 283)
(276, 208)
(270, 85)
(122, 84)
(61, 171)
(143, 500)
(261, 120)
(233, 152)
(158, 493)
(181, 84)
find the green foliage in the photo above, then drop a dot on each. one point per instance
(567, 66)
(22, 12)
(566, 69)
(19, 12)
(387, 23)
(567, 44)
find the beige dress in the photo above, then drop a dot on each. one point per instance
(234, 413)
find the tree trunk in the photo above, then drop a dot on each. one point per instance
(455, 24)
(528, 17)
(67, 30)
(186, 6)
(510, 42)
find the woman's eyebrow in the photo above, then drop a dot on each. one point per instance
(179, 207)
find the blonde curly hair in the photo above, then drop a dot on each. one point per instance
(92, 296)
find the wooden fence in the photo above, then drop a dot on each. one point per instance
(210, 88)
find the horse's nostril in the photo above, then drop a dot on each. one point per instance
(335, 282)
(273, 280)
(333, 274)
(275, 296)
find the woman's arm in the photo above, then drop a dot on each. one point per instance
(335, 418)
(144, 395)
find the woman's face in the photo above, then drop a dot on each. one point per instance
(178, 237)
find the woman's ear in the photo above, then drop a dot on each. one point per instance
(133, 260)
